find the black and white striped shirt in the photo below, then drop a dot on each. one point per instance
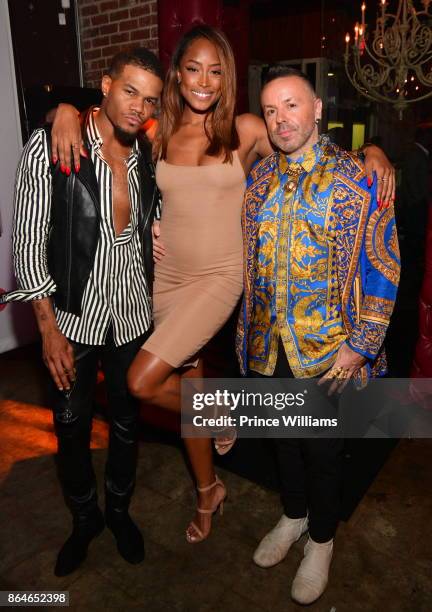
(116, 291)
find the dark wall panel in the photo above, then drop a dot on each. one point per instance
(45, 50)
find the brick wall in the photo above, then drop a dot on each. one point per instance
(108, 26)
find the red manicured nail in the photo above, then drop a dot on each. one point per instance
(54, 159)
(77, 167)
(379, 202)
(369, 182)
(62, 167)
(68, 171)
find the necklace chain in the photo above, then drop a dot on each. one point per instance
(120, 157)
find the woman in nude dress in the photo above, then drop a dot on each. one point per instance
(204, 154)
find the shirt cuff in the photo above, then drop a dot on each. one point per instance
(27, 295)
(359, 350)
(367, 338)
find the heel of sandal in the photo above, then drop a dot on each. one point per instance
(203, 534)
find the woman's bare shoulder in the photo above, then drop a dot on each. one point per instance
(253, 135)
(248, 123)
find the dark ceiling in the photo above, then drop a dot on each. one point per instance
(263, 8)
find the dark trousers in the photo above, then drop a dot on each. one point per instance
(73, 416)
(310, 474)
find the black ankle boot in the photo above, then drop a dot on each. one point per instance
(130, 542)
(74, 550)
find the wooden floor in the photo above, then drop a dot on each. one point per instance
(383, 554)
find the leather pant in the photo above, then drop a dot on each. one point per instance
(73, 415)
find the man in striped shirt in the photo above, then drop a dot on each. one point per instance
(83, 257)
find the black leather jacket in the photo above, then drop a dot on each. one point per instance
(75, 225)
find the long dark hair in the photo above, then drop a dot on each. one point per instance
(222, 134)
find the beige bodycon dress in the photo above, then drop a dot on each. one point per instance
(199, 281)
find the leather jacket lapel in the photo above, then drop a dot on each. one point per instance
(147, 183)
(87, 177)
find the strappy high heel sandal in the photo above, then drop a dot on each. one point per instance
(225, 441)
(226, 436)
(202, 534)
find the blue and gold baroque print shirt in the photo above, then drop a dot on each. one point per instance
(325, 224)
(295, 292)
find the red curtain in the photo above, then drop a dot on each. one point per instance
(422, 364)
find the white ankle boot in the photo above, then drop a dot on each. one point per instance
(312, 575)
(275, 545)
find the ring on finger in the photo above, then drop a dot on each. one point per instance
(341, 373)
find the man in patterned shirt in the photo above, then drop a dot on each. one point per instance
(321, 275)
(83, 257)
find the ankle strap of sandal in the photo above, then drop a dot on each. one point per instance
(203, 489)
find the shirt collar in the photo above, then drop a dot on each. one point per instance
(307, 161)
(94, 137)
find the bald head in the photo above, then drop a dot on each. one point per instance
(291, 110)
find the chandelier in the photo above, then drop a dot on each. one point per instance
(394, 62)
